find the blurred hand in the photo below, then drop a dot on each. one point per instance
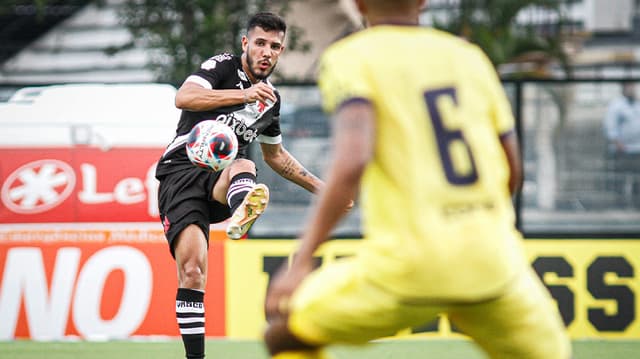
(283, 285)
(350, 205)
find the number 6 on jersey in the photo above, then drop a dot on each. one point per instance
(447, 137)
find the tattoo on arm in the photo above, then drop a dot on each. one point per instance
(288, 167)
(292, 170)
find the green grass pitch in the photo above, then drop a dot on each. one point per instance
(236, 349)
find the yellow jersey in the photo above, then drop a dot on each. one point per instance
(437, 212)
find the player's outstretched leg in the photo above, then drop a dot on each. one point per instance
(252, 206)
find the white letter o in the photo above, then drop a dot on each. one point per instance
(90, 291)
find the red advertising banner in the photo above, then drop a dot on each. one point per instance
(79, 184)
(96, 284)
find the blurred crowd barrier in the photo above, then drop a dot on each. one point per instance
(574, 186)
(102, 142)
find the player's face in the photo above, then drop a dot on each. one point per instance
(261, 51)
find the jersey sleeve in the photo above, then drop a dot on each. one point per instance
(212, 72)
(500, 107)
(342, 77)
(272, 134)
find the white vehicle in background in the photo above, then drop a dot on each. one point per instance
(100, 115)
(83, 152)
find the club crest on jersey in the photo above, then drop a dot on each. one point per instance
(258, 108)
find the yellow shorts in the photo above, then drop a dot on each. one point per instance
(336, 304)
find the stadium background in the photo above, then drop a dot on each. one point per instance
(95, 264)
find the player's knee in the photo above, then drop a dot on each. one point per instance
(191, 275)
(243, 165)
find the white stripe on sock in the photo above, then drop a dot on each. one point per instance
(190, 320)
(237, 190)
(239, 186)
(192, 330)
(242, 183)
(190, 310)
(245, 185)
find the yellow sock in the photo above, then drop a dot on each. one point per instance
(307, 354)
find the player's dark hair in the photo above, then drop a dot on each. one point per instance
(268, 21)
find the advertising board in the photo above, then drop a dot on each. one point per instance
(120, 283)
(595, 283)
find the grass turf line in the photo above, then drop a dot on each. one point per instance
(236, 349)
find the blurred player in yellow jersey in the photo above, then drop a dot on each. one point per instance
(423, 128)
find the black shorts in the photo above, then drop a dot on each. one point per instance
(184, 198)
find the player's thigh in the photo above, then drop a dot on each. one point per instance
(336, 304)
(522, 324)
(183, 200)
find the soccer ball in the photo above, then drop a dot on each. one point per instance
(212, 145)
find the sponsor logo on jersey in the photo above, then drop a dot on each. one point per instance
(240, 125)
(241, 121)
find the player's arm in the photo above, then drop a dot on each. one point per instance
(503, 120)
(287, 166)
(511, 148)
(196, 94)
(353, 141)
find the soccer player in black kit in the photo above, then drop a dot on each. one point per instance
(236, 91)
